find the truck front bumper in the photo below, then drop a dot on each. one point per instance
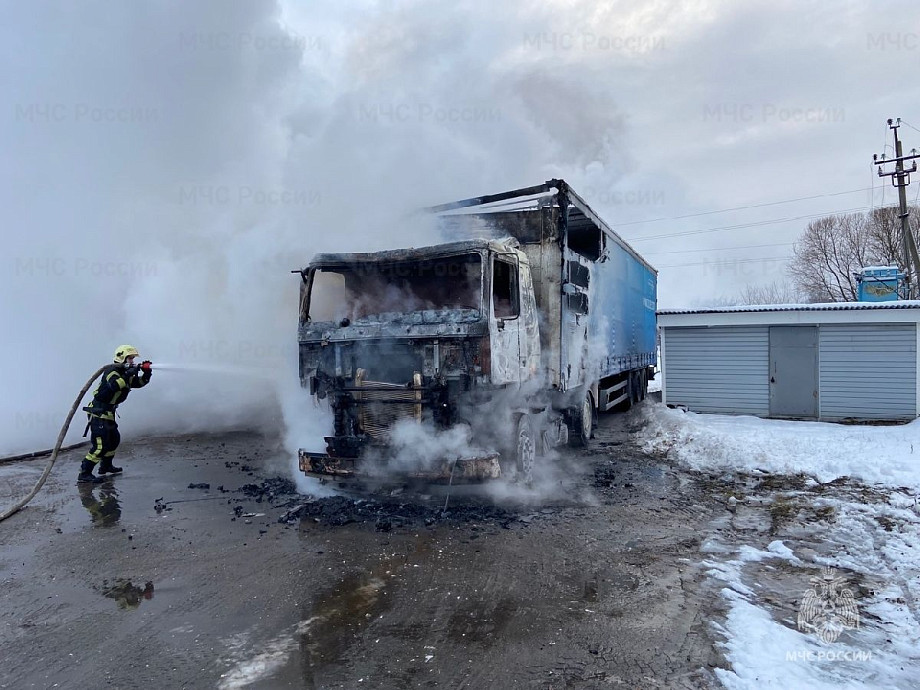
(461, 470)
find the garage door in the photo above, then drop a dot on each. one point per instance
(794, 371)
(724, 369)
(868, 371)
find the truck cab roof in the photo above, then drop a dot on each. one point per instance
(329, 260)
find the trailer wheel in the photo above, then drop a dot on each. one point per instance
(581, 428)
(643, 385)
(525, 449)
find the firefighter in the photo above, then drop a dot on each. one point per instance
(117, 381)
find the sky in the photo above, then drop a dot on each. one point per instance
(167, 164)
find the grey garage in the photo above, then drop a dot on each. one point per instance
(832, 362)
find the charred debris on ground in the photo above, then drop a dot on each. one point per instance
(384, 512)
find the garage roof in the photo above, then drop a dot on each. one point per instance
(823, 306)
(903, 311)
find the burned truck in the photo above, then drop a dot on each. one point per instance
(534, 318)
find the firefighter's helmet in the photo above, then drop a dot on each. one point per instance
(123, 352)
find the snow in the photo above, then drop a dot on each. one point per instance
(881, 455)
(880, 268)
(654, 386)
(765, 653)
(873, 540)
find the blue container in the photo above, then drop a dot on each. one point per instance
(879, 283)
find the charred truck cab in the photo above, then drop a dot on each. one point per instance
(520, 332)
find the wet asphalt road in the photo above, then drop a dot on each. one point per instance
(144, 582)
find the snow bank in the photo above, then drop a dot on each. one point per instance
(875, 541)
(766, 654)
(883, 652)
(887, 455)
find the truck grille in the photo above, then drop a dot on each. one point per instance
(380, 405)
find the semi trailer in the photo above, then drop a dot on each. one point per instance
(530, 320)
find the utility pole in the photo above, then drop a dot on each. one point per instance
(900, 178)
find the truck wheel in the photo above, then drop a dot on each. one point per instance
(582, 427)
(525, 449)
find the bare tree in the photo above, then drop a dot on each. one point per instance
(886, 234)
(714, 302)
(777, 292)
(774, 293)
(827, 257)
(834, 248)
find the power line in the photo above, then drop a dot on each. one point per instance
(722, 249)
(903, 122)
(748, 225)
(742, 208)
(885, 147)
(724, 262)
(873, 177)
(900, 178)
(888, 146)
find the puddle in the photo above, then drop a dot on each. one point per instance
(101, 502)
(126, 594)
(78, 506)
(337, 616)
(322, 637)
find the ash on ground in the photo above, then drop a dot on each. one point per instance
(270, 490)
(337, 511)
(383, 512)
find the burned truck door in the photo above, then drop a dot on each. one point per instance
(504, 320)
(529, 333)
(578, 368)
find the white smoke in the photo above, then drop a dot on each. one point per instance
(414, 446)
(167, 165)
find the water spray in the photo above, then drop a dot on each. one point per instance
(235, 370)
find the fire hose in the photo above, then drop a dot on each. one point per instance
(40, 453)
(54, 453)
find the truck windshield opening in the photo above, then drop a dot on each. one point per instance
(370, 291)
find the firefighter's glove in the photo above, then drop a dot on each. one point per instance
(146, 368)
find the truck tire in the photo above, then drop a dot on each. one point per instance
(581, 427)
(525, 449)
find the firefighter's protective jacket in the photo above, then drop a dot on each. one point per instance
(117, 382)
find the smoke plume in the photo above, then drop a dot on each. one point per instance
(167, 164)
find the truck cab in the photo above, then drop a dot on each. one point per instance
(423, 335)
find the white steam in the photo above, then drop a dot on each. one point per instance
(414, 446)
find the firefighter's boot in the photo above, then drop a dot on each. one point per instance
(86, 473)
(106, 466)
